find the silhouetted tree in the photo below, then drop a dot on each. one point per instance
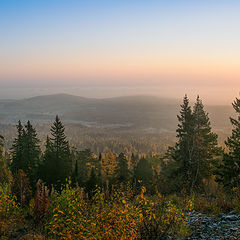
(229, 170)
(57, 158)
(92, 182)
(17, 161)
(5, 174)
(122, 173)
(31, 153)
(191, 159)
(143, 173)
(206, 148)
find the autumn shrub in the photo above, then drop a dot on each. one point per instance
(21, 188)
(236, 199)
(160, 217)
(115, 218)
(41, 202)
(9, 209)
(72, 216)
(212, 206)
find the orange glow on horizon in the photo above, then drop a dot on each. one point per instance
(129, 69)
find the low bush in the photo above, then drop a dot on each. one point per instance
(213, 206)
(10, 211)
(73, 216)
(160, 217)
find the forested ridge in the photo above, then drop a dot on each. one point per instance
(54, 189)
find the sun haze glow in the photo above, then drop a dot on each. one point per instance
(172, 46)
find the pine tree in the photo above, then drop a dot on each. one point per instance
(17, 161)
(205, 146)
(229, 170)
(133, 161)
(75, 172)
(190, 161)
(99, 170)
(57, 159)
(5, 175)
(84, 159)
(92, 181)
(47, 164)
(180, 157)
(143, 173)
(31, 152)
(122, 173)
(1, 144)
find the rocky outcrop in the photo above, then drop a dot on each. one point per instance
(223, 227)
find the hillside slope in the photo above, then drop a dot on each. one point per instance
(145, 112)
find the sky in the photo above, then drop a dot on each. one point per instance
(109, 48)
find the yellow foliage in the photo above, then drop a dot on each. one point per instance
(74, 217)
(9, 209)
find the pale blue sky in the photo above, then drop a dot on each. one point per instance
(170, 44)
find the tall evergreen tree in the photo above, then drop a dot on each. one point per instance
(75, 170)
(47, 165)
(57, 159)
(180, 157)
(229, 170)
(143, 173)
(17, 161)
(1, 144)
(5, 175)
(92, 181)
(205, 146)
(133, 161)
(99, 170)
(122, 173)
(190, 161)
(84, 159)
(25, 152)
(31, 152)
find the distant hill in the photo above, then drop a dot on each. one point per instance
(144, 112)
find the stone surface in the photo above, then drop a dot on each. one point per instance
(223, 227)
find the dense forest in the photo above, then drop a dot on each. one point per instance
(102, 140)
(130, 124)
(53, 188)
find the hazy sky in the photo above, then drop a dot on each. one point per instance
(107, 48)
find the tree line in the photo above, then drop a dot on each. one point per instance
(194, 159)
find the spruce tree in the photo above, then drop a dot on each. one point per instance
(1, 144)
(57, 157)
(47, 164)
(143, 173)
(17, 161)
(122, 173)
(5, 175)
(191, 159)
(180, 158)
(83, 159)
(92, 182)
(25, 152)
(229, 170)
(205, 146)
(31, 152)
(133, 161)
(99, 170)
(75, 172)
